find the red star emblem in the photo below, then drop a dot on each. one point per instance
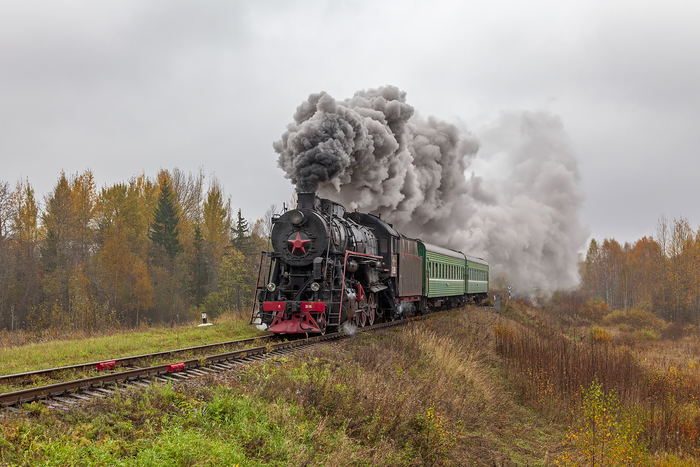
(298, 243)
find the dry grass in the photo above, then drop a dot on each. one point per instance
(430, 393)
(425, 394)
(548, 370)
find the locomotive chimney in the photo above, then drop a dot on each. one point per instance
(306, 200)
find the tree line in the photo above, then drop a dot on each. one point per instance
(148, 250)
(659, 274)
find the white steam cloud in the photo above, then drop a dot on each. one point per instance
(373, 153)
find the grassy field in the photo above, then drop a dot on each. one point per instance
(429, 393)
(630, 395)
(468, 387)
(38, 354)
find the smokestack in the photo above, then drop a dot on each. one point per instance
(306, 200)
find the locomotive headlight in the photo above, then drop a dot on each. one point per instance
(296, 217)
(315, 286)
(271, 287)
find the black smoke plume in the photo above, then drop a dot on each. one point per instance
(372, 152)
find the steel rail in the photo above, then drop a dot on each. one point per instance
(122, 361)
(23, 396)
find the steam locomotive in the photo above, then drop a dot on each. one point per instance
(328, 267)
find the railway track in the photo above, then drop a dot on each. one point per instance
(124, 363)
(67, 393)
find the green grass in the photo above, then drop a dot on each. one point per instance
(63, 352)
(160, 427)
(424, 394)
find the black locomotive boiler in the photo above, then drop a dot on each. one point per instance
(328, 266)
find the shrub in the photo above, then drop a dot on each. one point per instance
(646, 335)
(643, 319)
(607, 433)
(673, 331)
(634, 317)
(615, 317)
(594, 309)
(599, 335)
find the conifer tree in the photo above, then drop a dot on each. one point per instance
(240, 234)
(164, 229)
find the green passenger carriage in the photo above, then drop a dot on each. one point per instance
(451, 277)
(477, 276)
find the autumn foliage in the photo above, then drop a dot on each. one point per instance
(660, 274)
(147, 250)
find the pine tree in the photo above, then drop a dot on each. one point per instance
(164, 229)
(241, 235)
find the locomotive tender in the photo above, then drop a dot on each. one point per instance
(328, 266)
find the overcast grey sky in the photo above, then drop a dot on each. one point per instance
(129, 87)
